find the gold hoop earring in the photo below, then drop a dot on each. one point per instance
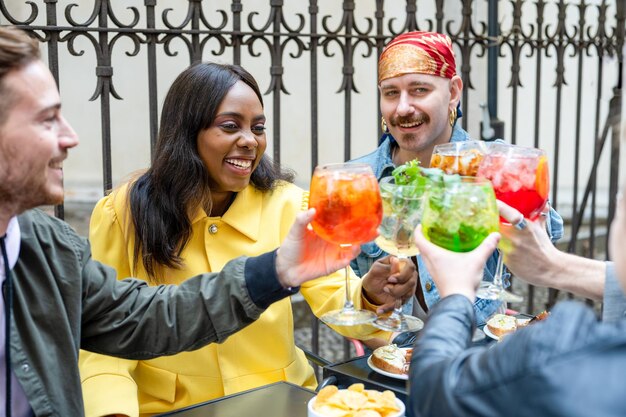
(452, 116)
(383, 125)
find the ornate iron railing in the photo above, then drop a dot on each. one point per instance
(537, 47)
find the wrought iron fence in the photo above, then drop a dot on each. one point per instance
(553, 71)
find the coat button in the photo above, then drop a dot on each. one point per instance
(25, 367)
(429, 286)
(213, 229)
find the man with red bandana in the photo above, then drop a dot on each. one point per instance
(420, 95)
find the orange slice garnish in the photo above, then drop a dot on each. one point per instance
(542, 180)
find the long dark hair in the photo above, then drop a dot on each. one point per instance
(163, 198)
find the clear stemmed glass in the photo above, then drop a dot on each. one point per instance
(459, 215)
(402, 212)
(461, 158)
(348, 212)
(520, 179)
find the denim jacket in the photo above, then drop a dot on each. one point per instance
(382, 165)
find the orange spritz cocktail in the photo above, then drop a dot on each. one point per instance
(348, 204)
(348, 211)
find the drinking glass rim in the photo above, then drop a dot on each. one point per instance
(465, 179)
(504, 149)
(343, 165)
(451, 146)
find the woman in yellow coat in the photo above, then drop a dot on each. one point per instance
(211, 195)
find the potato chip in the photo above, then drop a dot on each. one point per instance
(337, 401)
(355, 401)
(389, 394)
(325, 393)
(356, 387)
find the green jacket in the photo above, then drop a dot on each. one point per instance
(64, 301)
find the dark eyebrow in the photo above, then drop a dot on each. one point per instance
(411, 84)
(420, 84)
(56, 106)
(239, 116)
(388, 87)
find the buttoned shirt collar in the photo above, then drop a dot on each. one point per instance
(12, 243)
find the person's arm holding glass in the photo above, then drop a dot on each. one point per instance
(550, 267)
(544, 368)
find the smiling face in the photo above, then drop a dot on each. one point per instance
(233, 145)
(416, 108)
(34, 140)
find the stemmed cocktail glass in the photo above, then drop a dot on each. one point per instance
(520, 179)
(402, 211)
(461, 158)
(348, 212)
(459, 215)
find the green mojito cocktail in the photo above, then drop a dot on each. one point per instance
(459, 214)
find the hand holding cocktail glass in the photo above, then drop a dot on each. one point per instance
(459, 214)
(348, 212)
(520, 179)
(402, 210)
(456, 272)
(303, 255)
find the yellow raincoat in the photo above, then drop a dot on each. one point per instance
(262, 353)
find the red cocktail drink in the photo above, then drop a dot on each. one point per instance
(520, 178)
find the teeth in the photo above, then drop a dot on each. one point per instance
(241, 163)
(406, 125)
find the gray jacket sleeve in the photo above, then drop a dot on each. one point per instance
(130, 319)
(614, 307)
(518, 375)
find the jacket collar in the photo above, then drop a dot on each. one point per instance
(244, 215)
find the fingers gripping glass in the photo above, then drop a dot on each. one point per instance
(458, 216)
(520, 179)
(348, 212)
(402, 212)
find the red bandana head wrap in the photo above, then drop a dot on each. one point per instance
(417, 52)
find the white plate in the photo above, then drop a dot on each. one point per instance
(488, 333)
(382, 372)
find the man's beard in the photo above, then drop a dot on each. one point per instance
(24, 197)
